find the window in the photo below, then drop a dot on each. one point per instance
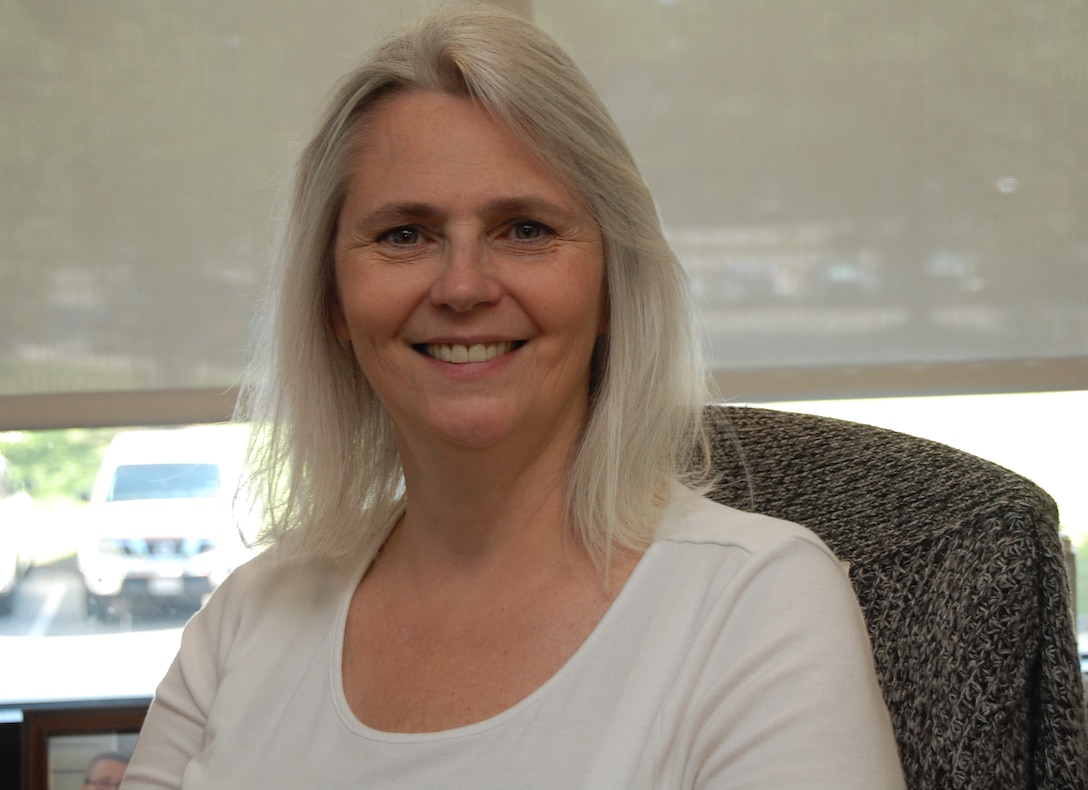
(872, 199)
(164, 481)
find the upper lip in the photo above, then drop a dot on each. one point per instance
(466, 341)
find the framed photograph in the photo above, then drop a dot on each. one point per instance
(79, 746)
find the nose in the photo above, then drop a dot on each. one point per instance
(465, 281)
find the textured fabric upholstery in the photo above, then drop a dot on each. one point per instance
(958, 567)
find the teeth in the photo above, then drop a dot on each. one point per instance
(459, 354)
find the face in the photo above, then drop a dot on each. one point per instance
(105, 774)
(469, 281)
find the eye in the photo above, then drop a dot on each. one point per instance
(528, 230)
(402, 236)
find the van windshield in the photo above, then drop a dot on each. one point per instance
(165, 481)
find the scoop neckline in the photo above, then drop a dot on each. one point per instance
(354, 724)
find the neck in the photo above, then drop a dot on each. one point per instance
(469, 509)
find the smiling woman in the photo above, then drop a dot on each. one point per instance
(486, 250)
(478, 432)
(587, 188)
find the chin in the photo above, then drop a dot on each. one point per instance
(488, 423)
(474, 426)
(474, 435)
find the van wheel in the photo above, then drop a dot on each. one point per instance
(7, 602)
(98, 607)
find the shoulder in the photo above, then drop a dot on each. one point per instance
(268, 575)
(270, 593)
(693, 519)
(724, 554)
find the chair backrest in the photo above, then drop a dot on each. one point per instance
(958, 567)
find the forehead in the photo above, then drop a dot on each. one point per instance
(106, 766)
(423, 139)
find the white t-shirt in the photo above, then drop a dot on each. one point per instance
(734, 657)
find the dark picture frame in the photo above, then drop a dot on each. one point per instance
(54, 733)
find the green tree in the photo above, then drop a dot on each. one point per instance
(57, 464)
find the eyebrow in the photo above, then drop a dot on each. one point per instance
(529, 206)
(394, 214)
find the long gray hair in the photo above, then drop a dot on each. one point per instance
(324, 459)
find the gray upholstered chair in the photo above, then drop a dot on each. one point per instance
(958, 567)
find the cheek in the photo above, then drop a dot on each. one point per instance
(575, 315)
(369, 305)
(586, 303)
(337, 318)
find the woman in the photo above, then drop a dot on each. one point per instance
(482, 398)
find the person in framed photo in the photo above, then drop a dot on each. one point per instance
(105, 771)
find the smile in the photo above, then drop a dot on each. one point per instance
(459, 354)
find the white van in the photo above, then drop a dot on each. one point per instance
(17, 524)
(164, 520)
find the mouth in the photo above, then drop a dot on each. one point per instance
(459, 354)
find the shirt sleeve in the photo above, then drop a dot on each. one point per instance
(173, 731)
(785, 693)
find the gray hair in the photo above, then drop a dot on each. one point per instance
(325, 461)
